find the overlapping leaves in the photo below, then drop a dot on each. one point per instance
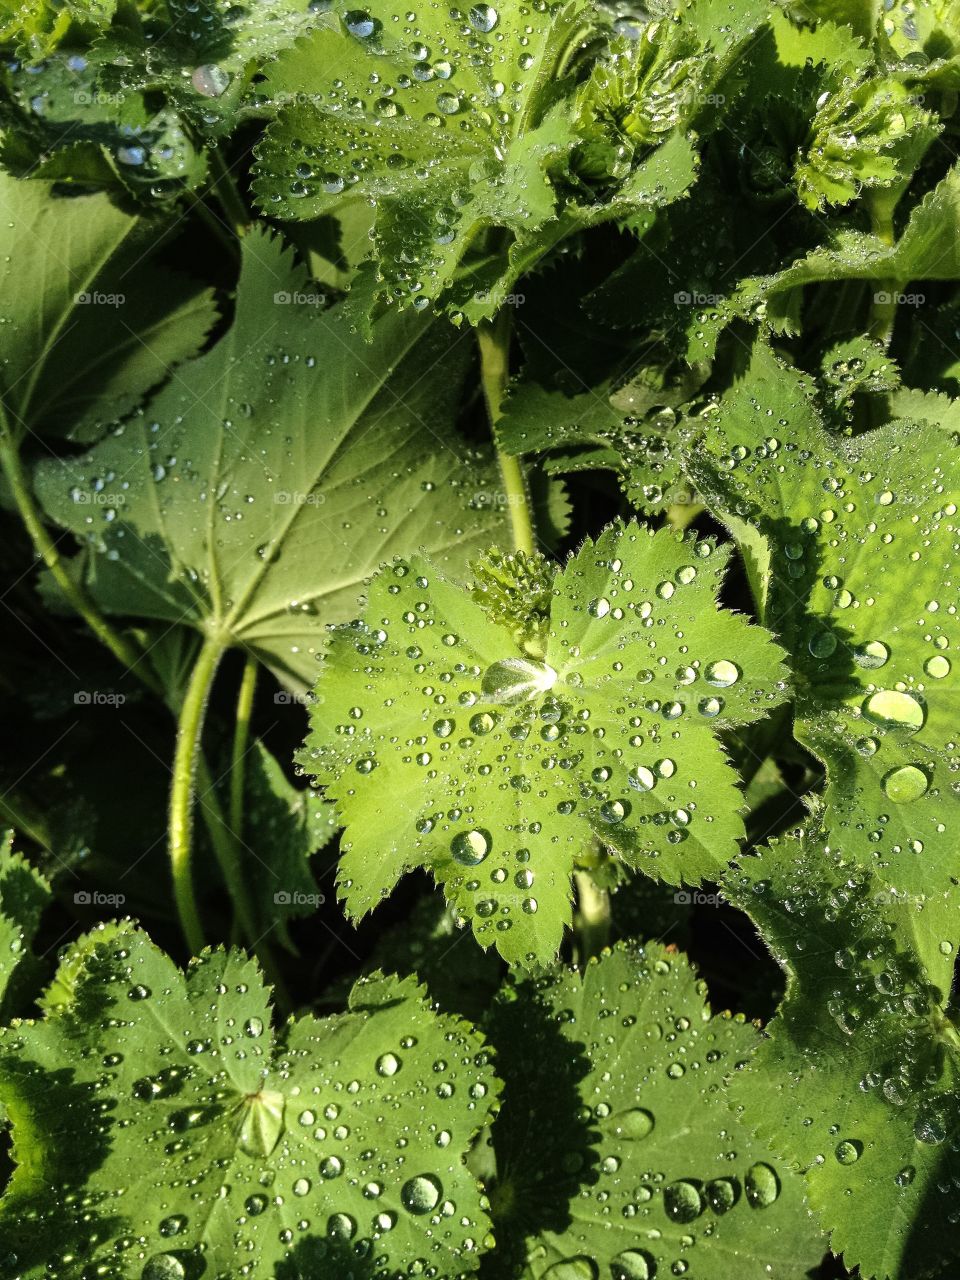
(855, 548)
(490, 745)
(254, 494)
(638, 1169)
(201, 1136)
(858, 1081)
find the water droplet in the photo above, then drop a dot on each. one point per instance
(906, 784)
(361, 24)
(762, 1186)
(633, 1125)
(641, 778)
(871, 655)
(682, 1201)
(894, 710)
(632, 1265)
(938, 666)
(721, 1195)
(469, 848)
(599, 608)
(849, 1151)
(722, 674)
(388, 1064)
(483, 17)
(210, 80)
(163, 1266)
(421, 1194)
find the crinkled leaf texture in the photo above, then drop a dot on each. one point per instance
(861, 539)
(637, 1168)
(162, 1129)
(457, 126)
(258, 490)
(446, 743)
(858, 1081)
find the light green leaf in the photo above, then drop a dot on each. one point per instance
(857, 1082)
(258, 490)
(631, 429)
(862, 540)
(24, 893)
(203, 1140)
(452, 736)
(98, 328)
(617, 1154)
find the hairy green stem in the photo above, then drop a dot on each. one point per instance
(241, 737)
(12, 463)
(189, 728)
(226, 190)
(493, 338)
(883, 309)
(593, 917)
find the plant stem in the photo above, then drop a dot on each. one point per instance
(493, 338)
(12, 463)
(189, 728)
(883, 310)
(223, 184)
(593, 917)
(241, 736)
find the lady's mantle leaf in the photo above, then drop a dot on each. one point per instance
(452, 737)
(23, 895)
(618, 1076)
(859, 1081)
(261, 486)
(162, 1129)
(861, 538)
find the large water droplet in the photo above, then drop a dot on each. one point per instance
(483, 17)
(906, 784)
(849, 1151)
(722, 674)
(682, 1201)
(894, 710)
(633, 1125)
(470, 848)
(421, 1194)
(210, 80)
(632, 1265)
(163, 1266)
(762, 1186)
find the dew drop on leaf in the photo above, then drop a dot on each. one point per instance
(894, 710)
(762, 1185)
(470, 847)
(421, 1194)
(906, 784)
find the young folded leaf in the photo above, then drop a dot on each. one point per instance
(491, 754)
(200, 1137)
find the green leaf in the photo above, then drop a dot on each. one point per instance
(448, 742)
(24, 893)
(284, 827)
(631, 429)
(928, 249)
(38, 26)
(98, 328)
(857, 1081)
(862, 579)
(203, 1140)
(258, 490)
(617, 1153)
